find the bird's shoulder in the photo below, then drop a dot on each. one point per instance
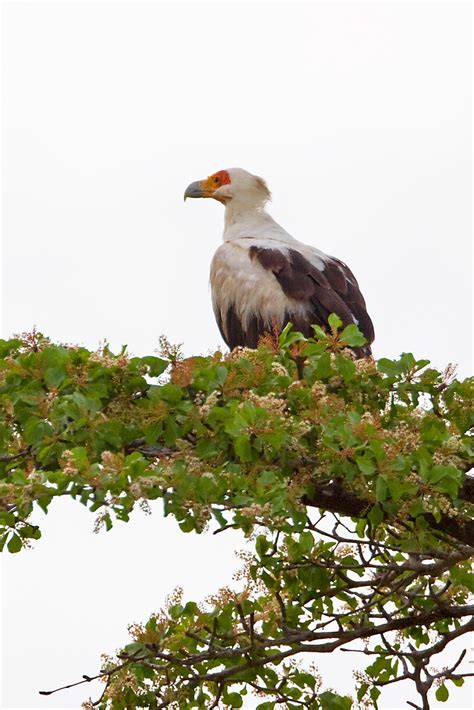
(244, 247)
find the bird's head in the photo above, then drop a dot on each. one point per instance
(234, 185)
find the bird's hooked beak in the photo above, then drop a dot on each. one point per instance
(210, 187)
(196, 189)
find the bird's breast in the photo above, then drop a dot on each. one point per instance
(243, 285)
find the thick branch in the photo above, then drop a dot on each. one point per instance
(334, 497)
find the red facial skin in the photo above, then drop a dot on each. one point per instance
(222, 176)
(214, 182)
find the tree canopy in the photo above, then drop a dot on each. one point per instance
(350, 476)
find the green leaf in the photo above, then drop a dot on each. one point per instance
(152, 432)
(219, 517)
(346, 367)
(332, 701)
(323, 368)
(136, 649)
(462, 577)
(417, 508)
(54, 356)
(111, 433)
(188, 525)
(363, 688)
(288, 336)
(206, 448)
(305, 679)
(8, 346)
(375, 515)
(7, 519)
(448, 486)
(389, 367)
(381, 488)
(268, 580)
(361, 526)
(306, 542)
(261, 545)
(445, 478)
(335, 322)
(35, 430)
(155, 365)
(233, 699)
(29, 532)
(243, 448)
(171, 431)
(14, 543)
(267, 478)
(442, 694)
(366, 465)
(319, 333)
(374, 694)
(171, 393)
(401, 488)
(54, 376)
(236, 425)
(407, 362)
(352, 336)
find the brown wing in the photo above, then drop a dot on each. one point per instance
(233, 332)
(333, 289)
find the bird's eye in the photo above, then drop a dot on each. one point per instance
(216, 180)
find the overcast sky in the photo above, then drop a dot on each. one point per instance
(357, 115)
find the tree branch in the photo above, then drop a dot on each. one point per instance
(334, 497)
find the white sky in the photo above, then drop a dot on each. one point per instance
(359, 117)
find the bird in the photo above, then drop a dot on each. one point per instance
(262, 278)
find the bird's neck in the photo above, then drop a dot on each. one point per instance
(245, 221)
(240, 213)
